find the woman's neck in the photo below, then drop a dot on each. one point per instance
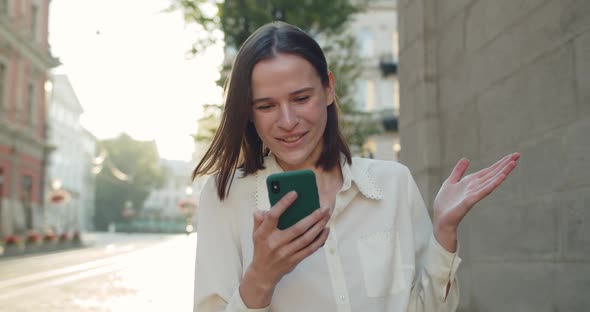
(326, 179)
(329, 181)
(329, 184)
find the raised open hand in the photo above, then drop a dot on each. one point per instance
(459, 194)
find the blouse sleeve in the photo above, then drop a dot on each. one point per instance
(218, 268)
(435, 267)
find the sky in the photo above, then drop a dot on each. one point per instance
(128, 64)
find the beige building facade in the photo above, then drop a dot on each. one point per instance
(377, 88)
(480, 79)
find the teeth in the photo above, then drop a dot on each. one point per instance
(292, 139)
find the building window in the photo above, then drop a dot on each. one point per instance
(361, 93)
(31, 109)
(27, 200)
(366, 95)
(366, 43)
(27, 187)
(1, 195)
(4, 7)
(2, 86)
(34, 21)
(1, 186)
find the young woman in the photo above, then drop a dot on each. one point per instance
(371, 246)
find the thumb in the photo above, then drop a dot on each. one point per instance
(459, 170)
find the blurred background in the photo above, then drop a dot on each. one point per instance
(107, 106)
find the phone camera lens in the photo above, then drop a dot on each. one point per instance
(274, 185)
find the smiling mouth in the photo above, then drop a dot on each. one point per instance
(292, 139)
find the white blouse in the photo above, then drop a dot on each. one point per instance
(380, 255)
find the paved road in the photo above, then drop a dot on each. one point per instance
(119, 273)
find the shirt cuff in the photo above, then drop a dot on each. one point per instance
(237, 304)
(441, 264)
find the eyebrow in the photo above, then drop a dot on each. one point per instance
(292, 93)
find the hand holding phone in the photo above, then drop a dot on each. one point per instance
(301, 181)
(277, 252)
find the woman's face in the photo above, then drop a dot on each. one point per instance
(289, 109)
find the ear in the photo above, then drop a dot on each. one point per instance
(331, 94)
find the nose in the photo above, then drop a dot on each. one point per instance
(288, 119)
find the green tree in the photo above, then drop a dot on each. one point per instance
(208, 123)
(237, 19)
(131, 169)
(344, 60)
(325, 20)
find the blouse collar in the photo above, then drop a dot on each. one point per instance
(357, 173)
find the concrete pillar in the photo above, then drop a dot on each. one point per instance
(480, 79)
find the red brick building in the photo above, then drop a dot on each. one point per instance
(24, 61)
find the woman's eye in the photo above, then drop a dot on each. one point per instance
(263, 107)
(302, 99)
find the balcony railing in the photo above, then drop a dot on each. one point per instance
(388, 65)
(385, 118)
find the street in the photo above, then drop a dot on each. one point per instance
(120, 272)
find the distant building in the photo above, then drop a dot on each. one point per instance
(70, 164)
(164, 202)
(377, 88)
(24, 61)
(88, 186)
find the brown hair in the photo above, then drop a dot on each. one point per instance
(236, 142)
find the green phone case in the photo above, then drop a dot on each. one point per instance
(303, 182)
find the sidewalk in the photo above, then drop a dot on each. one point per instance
(36, 248)
(89, 239)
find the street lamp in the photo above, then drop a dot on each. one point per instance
(56, 184)
(188, 206)
(58, 195)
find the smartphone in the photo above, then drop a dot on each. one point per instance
(301, 181)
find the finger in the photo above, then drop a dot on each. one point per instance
(488, 187)
(312, 247)
(499, 163)
(501, 167)
(459, 170)
(493, 167)
(308, 236)
(306, 223)
(258, 218)
(272, 216)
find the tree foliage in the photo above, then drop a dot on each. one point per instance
(209, 123)
(129, 172)
(237, 19)
(325, 20)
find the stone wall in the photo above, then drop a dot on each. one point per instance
(480, 79)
